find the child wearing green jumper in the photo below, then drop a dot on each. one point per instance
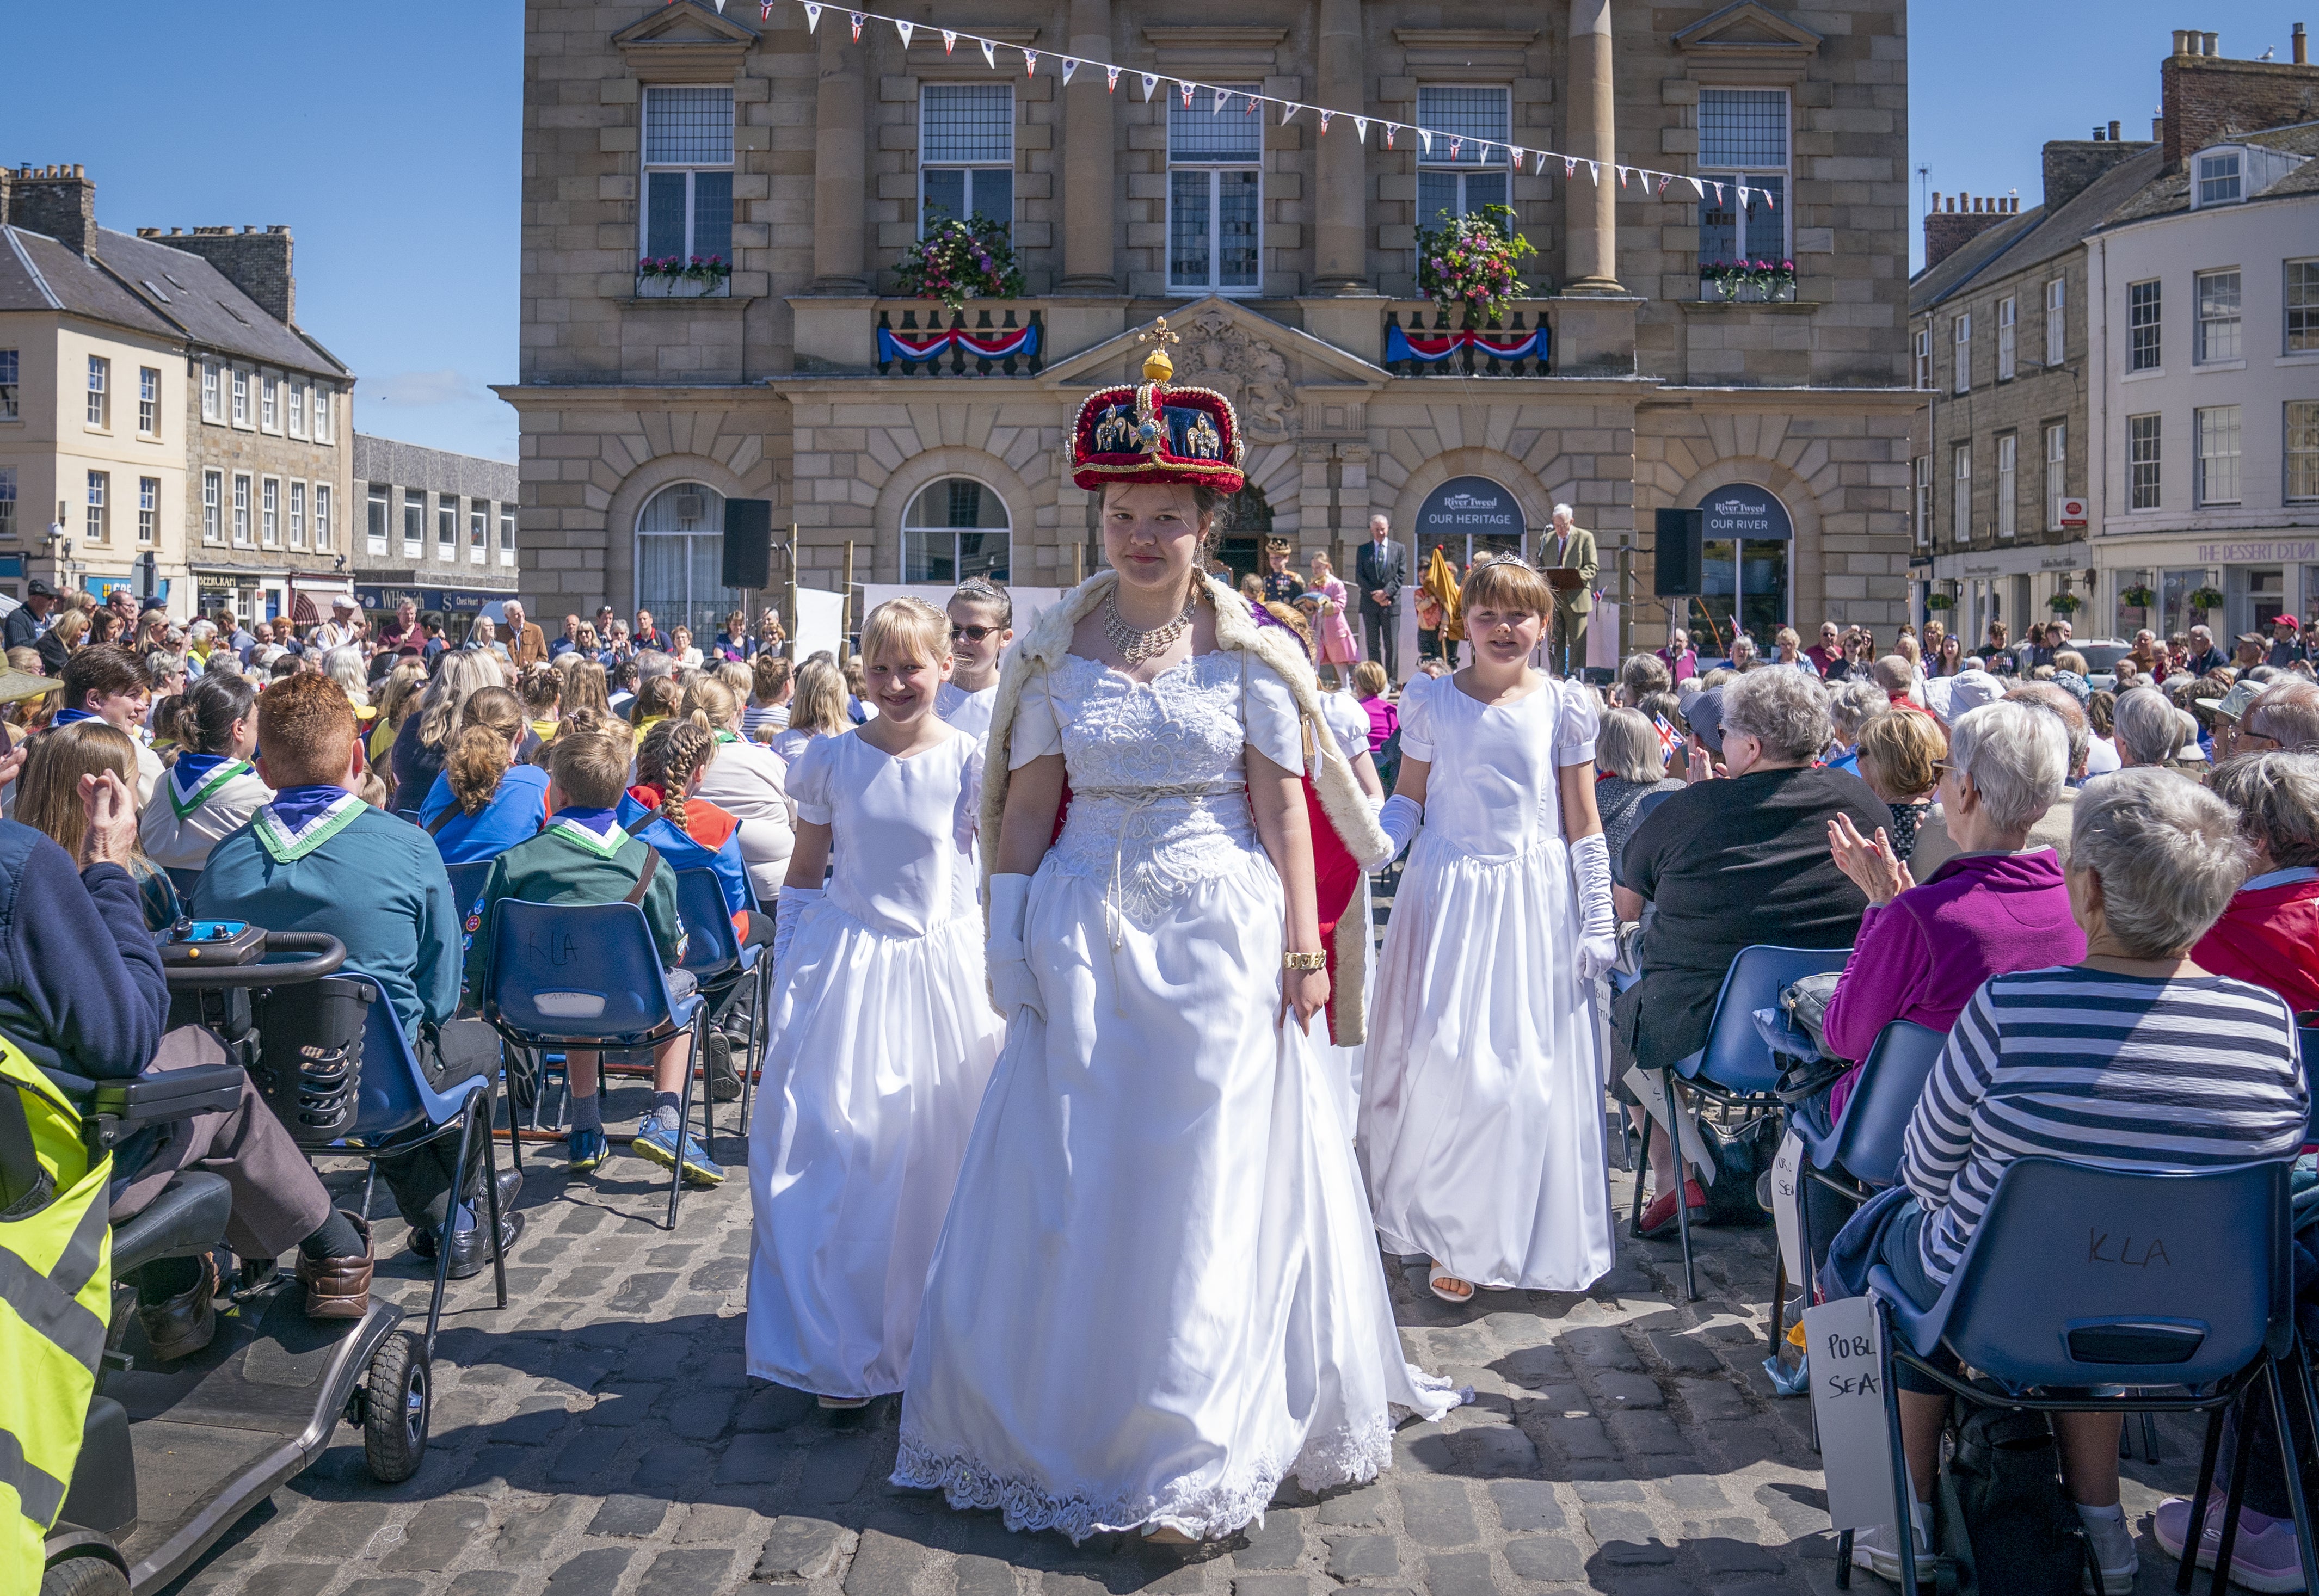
(583, 857)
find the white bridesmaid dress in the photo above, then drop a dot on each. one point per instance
(1482, 1103)
(882, 1042)
(1158, 1292)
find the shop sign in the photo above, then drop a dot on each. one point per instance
(1469, 505)
(2257, 554)
(1743, 510)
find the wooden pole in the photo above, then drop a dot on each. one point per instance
(790, 619)
(845, 602)
(1078, 562)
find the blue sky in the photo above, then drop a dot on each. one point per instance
(389, 137)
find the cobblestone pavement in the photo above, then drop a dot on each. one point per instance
(599, 1436)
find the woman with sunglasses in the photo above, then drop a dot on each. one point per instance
(982, 626)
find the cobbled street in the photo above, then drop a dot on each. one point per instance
(597, 1438)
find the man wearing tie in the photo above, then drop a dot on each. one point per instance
(1571, 549)
(1382, 570)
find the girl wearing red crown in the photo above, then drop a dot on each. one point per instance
(1157, 1292)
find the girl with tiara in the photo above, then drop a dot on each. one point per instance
(882, 1034)
(1482, 1105)
(1157, 1292)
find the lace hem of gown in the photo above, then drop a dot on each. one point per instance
(1348, 1455)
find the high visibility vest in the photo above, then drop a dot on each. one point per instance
(55, 1290)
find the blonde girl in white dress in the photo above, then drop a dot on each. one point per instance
(883, 1038)
(1481, 1102)
(1158, 1293)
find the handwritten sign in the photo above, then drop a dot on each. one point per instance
(1847, 1395)
(1787, 1192)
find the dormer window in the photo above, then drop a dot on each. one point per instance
(2220, 178)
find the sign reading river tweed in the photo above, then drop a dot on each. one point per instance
(1469, 514)
(1743, 510)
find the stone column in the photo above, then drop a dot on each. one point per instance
(1591, 208)
(840, 168)
(1089, 136)
(1340, 165)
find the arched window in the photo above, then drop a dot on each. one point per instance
(681, 559)
(953, 529)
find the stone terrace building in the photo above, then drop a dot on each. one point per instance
(1282, 256)
(437, 528)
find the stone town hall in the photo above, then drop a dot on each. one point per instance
(1286, 259)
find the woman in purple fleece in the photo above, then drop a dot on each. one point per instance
(1998, 905)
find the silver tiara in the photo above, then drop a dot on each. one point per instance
(976, 587)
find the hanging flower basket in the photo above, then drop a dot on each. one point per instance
(2138, 596)
(2206, 599)
(2064, 603)
(1764, 281)
(958, 261)
(1940, 600)
(1468, 263)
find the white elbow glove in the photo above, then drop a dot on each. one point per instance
(1598, 923)
(788, 910)
(1399, 819)
(1013, 987)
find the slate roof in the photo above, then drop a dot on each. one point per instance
(2035, 236)
(39, 274)
(2171, 193)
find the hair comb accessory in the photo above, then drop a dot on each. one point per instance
(1150, 432)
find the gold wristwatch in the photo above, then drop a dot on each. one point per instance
(1303, 961)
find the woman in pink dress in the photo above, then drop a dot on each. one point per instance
(1332, 633)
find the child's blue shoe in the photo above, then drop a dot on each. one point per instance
(658, 1139)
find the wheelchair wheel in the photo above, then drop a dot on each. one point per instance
(85, 1576)
(398, 1397)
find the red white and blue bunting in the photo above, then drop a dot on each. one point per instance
(1432, 348)
(930, 344)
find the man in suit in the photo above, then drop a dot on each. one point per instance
(1382, 570)
(1570, 547)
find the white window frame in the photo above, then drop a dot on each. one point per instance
(99, 413)
(148, 511)
(1921, 468)
(98, 526)
(2009, 320)
(269, 403)
(297, 513)
(689, 171)
(1746, 223)
(378, 511)
(297, 427)
(212, 392)
(2299, 319)
(2145, 353)
(1961, 342)
(149, 401)
(479, 531)
(2299, 459)
(7, 503)
(1924, 357)
(212, 507)
(2145, 479)
(11, 394)
(446, 528)
(507, 534)
(1203, 103)
(2057, 471)
(910, 529)
(269, 512)
(1472, 159)
(2220, 179)
(2218, 317)
(2009, 483)
(929, 96)
(414, 537)
(1961, 491)
(2218, 472)
(241, 397)
(325, 415)
(2057, 322)
(325, 535)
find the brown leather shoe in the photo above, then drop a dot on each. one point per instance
(338, 1287)
(183, 1325)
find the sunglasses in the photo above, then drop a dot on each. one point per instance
(970, 634)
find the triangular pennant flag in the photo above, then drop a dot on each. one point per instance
(1218, 107)
(1324, 121)
(765, 12)
(950, 41)
(1425, 139)
(1151, 85)
(1717, 187)
(1288, 111)
(1361, 129)
(1111, 81)
(990, 54)
(1030, 62)
(1661, 189)
(1622, 175)
(1514, 154)
(1070, 67)
(812, 17)
(1697, 187)
(905, 30)
(1594, 170)
(1454, 145)
(1186, 88)
(1570, 166)
(1389, 127)
(857, 19)
(720, 7)
(1249, 108)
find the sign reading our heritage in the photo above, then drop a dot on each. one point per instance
(1743, 510)
(1469, 504)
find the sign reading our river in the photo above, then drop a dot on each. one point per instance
(1743, 510)
(1469, 504)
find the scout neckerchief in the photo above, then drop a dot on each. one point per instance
(595, 831)
(196, 779)
(300, 819)
(64, 718)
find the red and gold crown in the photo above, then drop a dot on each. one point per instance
(1147, 432)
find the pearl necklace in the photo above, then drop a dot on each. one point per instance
(1136, 646)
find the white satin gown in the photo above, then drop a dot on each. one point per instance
(882, 1042)
(1158, 1293)
(1482, 1103)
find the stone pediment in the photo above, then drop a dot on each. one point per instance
(1748, 34)
(685, 41)
(1257, 362)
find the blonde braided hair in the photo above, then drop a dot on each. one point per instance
(671, 753)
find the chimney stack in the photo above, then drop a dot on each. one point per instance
(2205, 100)
(2299, 46)
(1949, 225)
(58, 201)
(259, 263)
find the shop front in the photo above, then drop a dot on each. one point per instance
(2232, 586)
(2016, 586)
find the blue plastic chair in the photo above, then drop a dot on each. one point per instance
(410, 814)
(1735, 1069)
(2307, 1047)
(467, 883)
(397, 1110)
(725, 969)
(2079, 1277)
(589, 976)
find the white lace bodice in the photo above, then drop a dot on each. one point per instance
(1158, 771)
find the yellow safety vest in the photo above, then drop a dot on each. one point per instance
(55, 1290)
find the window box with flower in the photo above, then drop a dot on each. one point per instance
(2065, 603)
(675, 276)
(1753, 281)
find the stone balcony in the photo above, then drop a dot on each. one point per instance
(1421, 339)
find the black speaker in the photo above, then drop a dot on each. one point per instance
(1675, 571)
(749, 543)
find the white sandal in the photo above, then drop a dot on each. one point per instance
(841, 1404)
(1438, 1274)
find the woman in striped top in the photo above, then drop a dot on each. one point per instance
(2135, 1059)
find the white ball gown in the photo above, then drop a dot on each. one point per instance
(882, 1042)
(1157, 1294)
(1482, 1105)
